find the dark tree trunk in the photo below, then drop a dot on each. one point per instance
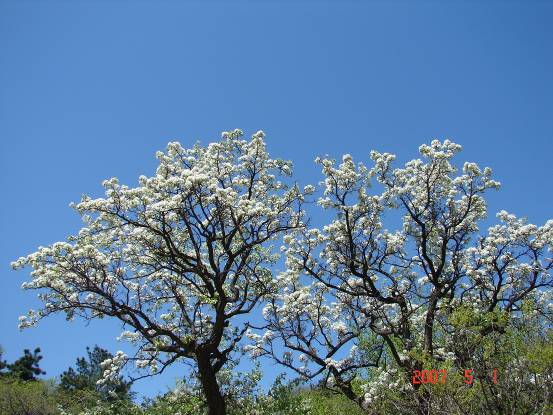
(215, 401)
(429, 325)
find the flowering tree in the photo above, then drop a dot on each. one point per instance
(177, 259)
(401, 286)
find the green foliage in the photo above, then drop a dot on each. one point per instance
(284, 399)
(26, 368)
(520, 349)
(240, 389)
(77, 401)
(183, 400)
(323, 402)
(88, 371)
(27, 398)
(3, 363)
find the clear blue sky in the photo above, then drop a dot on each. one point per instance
(91, 90)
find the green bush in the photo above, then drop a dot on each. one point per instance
(19, 397)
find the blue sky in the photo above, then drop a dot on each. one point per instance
(91, 90)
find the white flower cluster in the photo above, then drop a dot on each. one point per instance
(112, 368)
(510, 262)
(382, 379)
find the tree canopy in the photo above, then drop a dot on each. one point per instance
(354, 277)
(178, 258)
(26, 368)
(399, 277)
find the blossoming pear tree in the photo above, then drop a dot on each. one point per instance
(177, 259)
(355, 276)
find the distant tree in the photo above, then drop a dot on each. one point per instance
(89, 371)
(3, 363)
(25, 368)
(180, 259)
